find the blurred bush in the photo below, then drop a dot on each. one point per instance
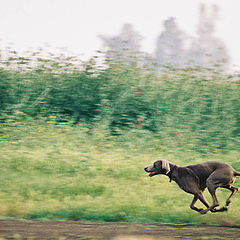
(5, 88)
(195, 106)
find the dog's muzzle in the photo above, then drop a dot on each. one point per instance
(151, 173)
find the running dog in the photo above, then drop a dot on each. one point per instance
(194, 179)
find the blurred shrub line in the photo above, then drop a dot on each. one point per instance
(196, 105)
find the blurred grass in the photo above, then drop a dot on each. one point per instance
(59, 171)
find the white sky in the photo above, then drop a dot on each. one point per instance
(76, 24)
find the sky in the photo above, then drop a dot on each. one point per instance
(77, 24)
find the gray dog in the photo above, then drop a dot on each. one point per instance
(195, 178)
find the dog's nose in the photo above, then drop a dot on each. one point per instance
(145, 169)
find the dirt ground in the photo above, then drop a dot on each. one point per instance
(32, 230)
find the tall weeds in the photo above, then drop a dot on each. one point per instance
(194, 106)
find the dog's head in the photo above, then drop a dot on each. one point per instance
(158, 167)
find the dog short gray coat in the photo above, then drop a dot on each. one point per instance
(195, 178)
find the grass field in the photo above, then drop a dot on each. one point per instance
(58, 171)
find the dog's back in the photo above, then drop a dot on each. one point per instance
(204, 170)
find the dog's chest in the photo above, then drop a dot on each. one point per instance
(186, 180)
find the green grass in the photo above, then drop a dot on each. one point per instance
(56, 171)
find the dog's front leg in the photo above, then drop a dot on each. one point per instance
(192, 206)
(199, 195)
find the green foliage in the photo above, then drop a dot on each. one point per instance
(193, 106)
(5, 88)
(77, 95)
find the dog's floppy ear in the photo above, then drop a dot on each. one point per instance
(165, 165)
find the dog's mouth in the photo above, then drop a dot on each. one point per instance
(150, 171)
(151, 174)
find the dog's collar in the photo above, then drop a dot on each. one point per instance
(171, 172)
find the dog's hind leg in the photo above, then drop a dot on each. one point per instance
(221, 178)
(212, 186)
(234, 191)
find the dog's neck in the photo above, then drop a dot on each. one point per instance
(170, 174)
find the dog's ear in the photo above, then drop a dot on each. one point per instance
(165, 166)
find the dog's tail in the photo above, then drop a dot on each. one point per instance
(236, 174)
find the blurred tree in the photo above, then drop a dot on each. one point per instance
(170, 45)
(124, 46)
(206, 49)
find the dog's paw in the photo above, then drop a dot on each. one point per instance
(223, 209)
(213, 210)
(228, 202)
(203, 211)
